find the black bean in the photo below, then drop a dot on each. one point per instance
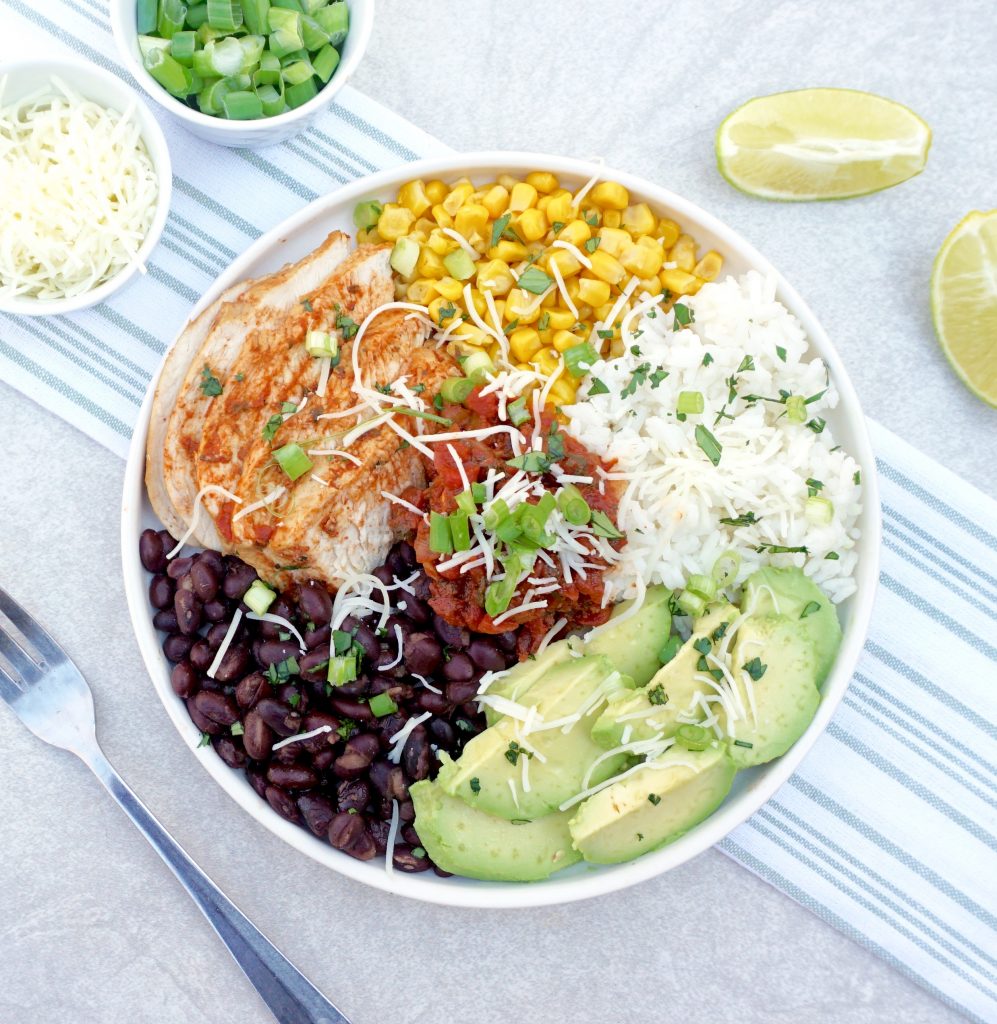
(177, 646)
(212, 559)
(216, 610)
(204, 579)
(417, 610)
(229, 751)
(184, 680)
(165, 620)
(317, 811)
(459, 668)
(443, 874)
(258, 736)
(169, 541)
(452, 636)
(160, 591)
(409, 835)
(151, 552)
(423, 654)
(435, 703)
(353, 794)
(201, 655)
(348, 832)
(367, 639)
(389, 780)
(385, 575)
(350, 708)
(399, 566)
(313, 666)
(189, 612)
(317, 720)
(219, 631)
(462, 691)
(405, 860)
(379, 832)
(217, 707)
(323, 759)
(202, 722)
(292, 776)
(318, 637)
(257, 780)
(278, 716)
(238, 579)
(486, 655)
(441, 733)
(407, 554)
(252, 688)
(315, 602)
(507, 641)
(282, 803)
(234, 664)
(415, 756)
(185, 583)
(179, 567)
(360, 750)
(273, 652)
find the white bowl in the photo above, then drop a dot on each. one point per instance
(303, 232)
(244, 134)
(28, 76)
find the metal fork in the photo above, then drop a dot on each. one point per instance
(50, 696)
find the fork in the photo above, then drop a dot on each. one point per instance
(49, 694)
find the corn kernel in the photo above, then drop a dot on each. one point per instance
(651, 285)
(609, 195)
(560, 319)
(679, 282)
(507, 181)
(495, 201)
(542, 181)
(559, 208)
(437, 190)
(683, 252)
(495, 277)
(562, 391)
(508, 251)
(522, 197)
(613, 241)
(566, 262)
(615, 349)
(412, 195)
(424, 225)
(638, 220)
(450, 288)
(606, 267)
(518, 302)
(468, 334)
(668, 232)
(442, 217)
(421, 291)
(394, 222)
(577, 232)
(524, 344)
(546, 361)
(593, 292)
(430, 264)
(612, 219)
(563, 340)
(532, 225)
(709, 266)
(642, 260)
(459, 195)
(440, 303)
(440, 243)
(470, 219)
(602, 313)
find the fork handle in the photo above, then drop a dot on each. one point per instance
(292, 998)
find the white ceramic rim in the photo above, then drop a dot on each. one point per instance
(155, 142)
(127, 43)
(598, 881)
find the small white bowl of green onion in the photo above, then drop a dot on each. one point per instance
(242, 72)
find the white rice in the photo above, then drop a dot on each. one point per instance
(673, 496)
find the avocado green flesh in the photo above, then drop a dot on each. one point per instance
(621, 822)
(785, 696)
(678, 683)
(468, 842)
(789, 592)
(489, 774)
(631, 645)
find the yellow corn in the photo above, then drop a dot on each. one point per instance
(430, 264)
(683, 252)
(470, 219)
(421, 291)
(563, 390)
(468, 334)
(532, 225)
(651, 285)
(459, 195)
(563, 340)
(559, 208)
(592, 291)
(522, 197)
(437, 190)
(495, 200)
(567, 264)
(508, 251)
(615, 349)
(560, 319)
(638, 220)
(612, 219)
(495, 277)
(441, 216)
(412, 195)
(440, 243)
(668, 232)
(606, 267)
(517, 302)
(524, 344)
(440, 303)
(542, 181)
(577, 232)
(507, 181)
(679, 282)
(709, 266)
(614, 240)
(643, 260)
(546, 361)
(450, 288)
(394, 222)
(609, 195)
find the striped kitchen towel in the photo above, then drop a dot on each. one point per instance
(889, 829)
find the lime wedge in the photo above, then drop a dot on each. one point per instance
(820, 144)
(964, 302)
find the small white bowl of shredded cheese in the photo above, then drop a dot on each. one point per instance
(86, 185)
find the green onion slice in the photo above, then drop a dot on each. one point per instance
(292, 458)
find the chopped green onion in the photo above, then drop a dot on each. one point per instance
(460, 531)
(367, 214)
(517, 412)
(743, 743)
(252, 52)
(712, 448)
(670, 649)
(496, 514)
(690, 603)
(255, 16)
(220, 57)
(146, 12)
(573, 505)
(466, 503)
(690, 403)
(172, 15)
(321, 344)
(725, 568)
(796, 409)
(693, 737)
(702, 586)
(381, 704)
(325, 63)
(298, 95)
(170, 74)
(477, 364)
(509, 530)
(440, 538)
(225, 14)
(478, 493)
(498, 596)
(292, 458)
(342, 669)
(579, 359)
(182, 47)
(244, 106)
(531, 462)
(146, 44)
(298, 72)
(312, 33)
(404, 256)
(259, 597)
(459, 265)
(456, 389)
(334, 20)
(819, 511)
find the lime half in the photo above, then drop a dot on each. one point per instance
(821, 144)
(964, 302)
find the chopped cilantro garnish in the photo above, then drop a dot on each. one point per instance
(857, 477)
(832, 556)
(703, 645)
(781, 549)
(510, 327)
(755, 668)
(544, 322)
(240, 377)
(308, 305)
(707, 359)
(210, 385)
(512, 754)
(683, 314)
(780, 352)
(654, 798)
(347, 728)
(598, 388)
(272, 426)
(813, 487)
(606, 334)
(817, 425)
(747, 363)
(499, 229)
(205, 740)
(657, 377)
(534, 280)
(592, 244)
(603, 526)
(809, 608)
(657, 696)
(347, 326)
(712, 448)
(558, 226)
(744, 519)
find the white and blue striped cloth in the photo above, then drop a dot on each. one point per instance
(889, 829)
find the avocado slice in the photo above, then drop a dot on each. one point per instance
(632, 646)
(785, 694)
(489, 773)
(790, 592)
(656, 707)
(468, 842)
(654, 806)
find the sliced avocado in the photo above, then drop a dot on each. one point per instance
(468, 842)
(791, 593)
(785, 693)
(654, 806)
(632, 646)
(656, 707)
(489, 774)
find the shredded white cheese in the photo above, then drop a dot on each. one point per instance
(224, 645)
(275, 495)
(198, 498)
